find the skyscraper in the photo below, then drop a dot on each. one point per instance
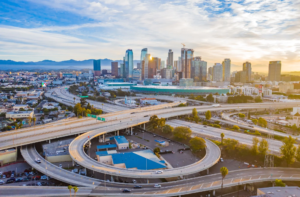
(217, 72)
(149, 65)
(274, 71)
(143, 54)
(226, 64)
(122, 69)
(162, 64)
(179, 67)
(186, 62)
(247, 68)
(97, 67)
(170, 59)
(114, 68)
(128, 63)
(199, 69)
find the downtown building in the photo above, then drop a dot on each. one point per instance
(186, 62)
(128, 63)
(274, 71)
(226, 66)
(217, 72)
(149, 67)
(248, 70)
(199, 69)
(170, 59)
(114, 69)
(97, 67)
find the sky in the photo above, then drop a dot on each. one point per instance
(258, 31)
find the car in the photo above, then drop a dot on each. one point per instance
(2, 182)
(37, 160)
(137, 187)
(44, 177)
(1, 172)
(146, 116)
(221, 160)
(10, 180)
(157, 186)
(132, 113)
(60, 165)
(19, 180)
(39, 184)
(134, 181)
(44, 183)
(205, 126)
(158, 172)
(154, 135)
(75, 170)
(126, 191)
(4, 176)
(12, 175)
(26, 179)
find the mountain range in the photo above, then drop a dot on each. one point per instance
(53, 65)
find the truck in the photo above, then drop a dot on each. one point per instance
(216, 105)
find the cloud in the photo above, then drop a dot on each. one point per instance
(255, 30)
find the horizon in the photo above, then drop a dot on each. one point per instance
(250, 30)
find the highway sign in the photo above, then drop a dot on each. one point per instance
(88, 115)
(94, 116)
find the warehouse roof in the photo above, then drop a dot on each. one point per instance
(120, 139)
(106, 146)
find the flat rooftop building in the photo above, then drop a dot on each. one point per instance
(57, 151)
(278, 191)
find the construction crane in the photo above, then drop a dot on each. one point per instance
(183, 45)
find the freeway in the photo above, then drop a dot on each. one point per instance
(188, 186)
(274, 145)
(64, 96)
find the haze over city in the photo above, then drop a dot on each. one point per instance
(251, 30)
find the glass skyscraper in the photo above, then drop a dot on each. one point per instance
(186, 62)
(226, 64)
(97, 67)
(143, 54)
(128, 63)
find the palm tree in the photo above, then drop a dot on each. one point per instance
(74, 99)
(29, 121)
(70, 189)
(224, 172)
(222, 137)
(34, 120)
(75, 190)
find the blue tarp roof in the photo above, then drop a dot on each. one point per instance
(106, 146)
(142, 160)
(160, 141)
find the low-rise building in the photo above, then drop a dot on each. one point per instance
(57, 151)
(8, 156)
(148, 101)
(278, 191)
(18, 107)
(121, 142)
(19, 114)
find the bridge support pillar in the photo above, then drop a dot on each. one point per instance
(112, 179)
(118, 132)
(49, 141)
(131, 132)
(245, 187)
(103, 138)
(144, 126)
(147, 181)
(214, 193)
(207, 170)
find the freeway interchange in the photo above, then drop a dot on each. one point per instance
(90, 128)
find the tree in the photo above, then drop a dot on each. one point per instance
(77, 109)
(230, 144)
(298, 154)
(88, 106)
(263, 146)
(242, 115)
(195, 113)
(224, 172)
(168, 129)
(210, 98)
(75, 190)
(182, 133)
(279, 183)
(161, 123)
(262, 122)
(70, 187)
(208, 115)
(254, 148)
(29, 121)
(288, 150)
(154, 121)
(88, 111)
(222, 137)
(82, 102)
(235, 127)
(255, 121)
(156, 150)
(258, 99)
(74, 99)
(197, 143)
(294, 127)
(249, 115)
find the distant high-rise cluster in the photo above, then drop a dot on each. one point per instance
(274, 71)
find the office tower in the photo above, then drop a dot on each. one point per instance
(114, 68)
(122, 68)
(138, 65)
(241, 76)
(166, 73)
(199, 69)
(128, 63)
(217, 72)
(157, 62)
(176, 65)
(136, 74)
(104, 72)
(226, 64)
(247, 68)
(179, 65)
(97, 67)
(170, 59)
(274, 71)
(162, 64)
(149, 66)
(143, 54)
(186, 62)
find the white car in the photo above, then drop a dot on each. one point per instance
(60, 165)
(221, 160)
(157, 186)
(44, 177)
(2, 182)
(159, 172)
(1, 172)
(37, 160)
(134, 181)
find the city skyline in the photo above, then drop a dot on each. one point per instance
(254, 31)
